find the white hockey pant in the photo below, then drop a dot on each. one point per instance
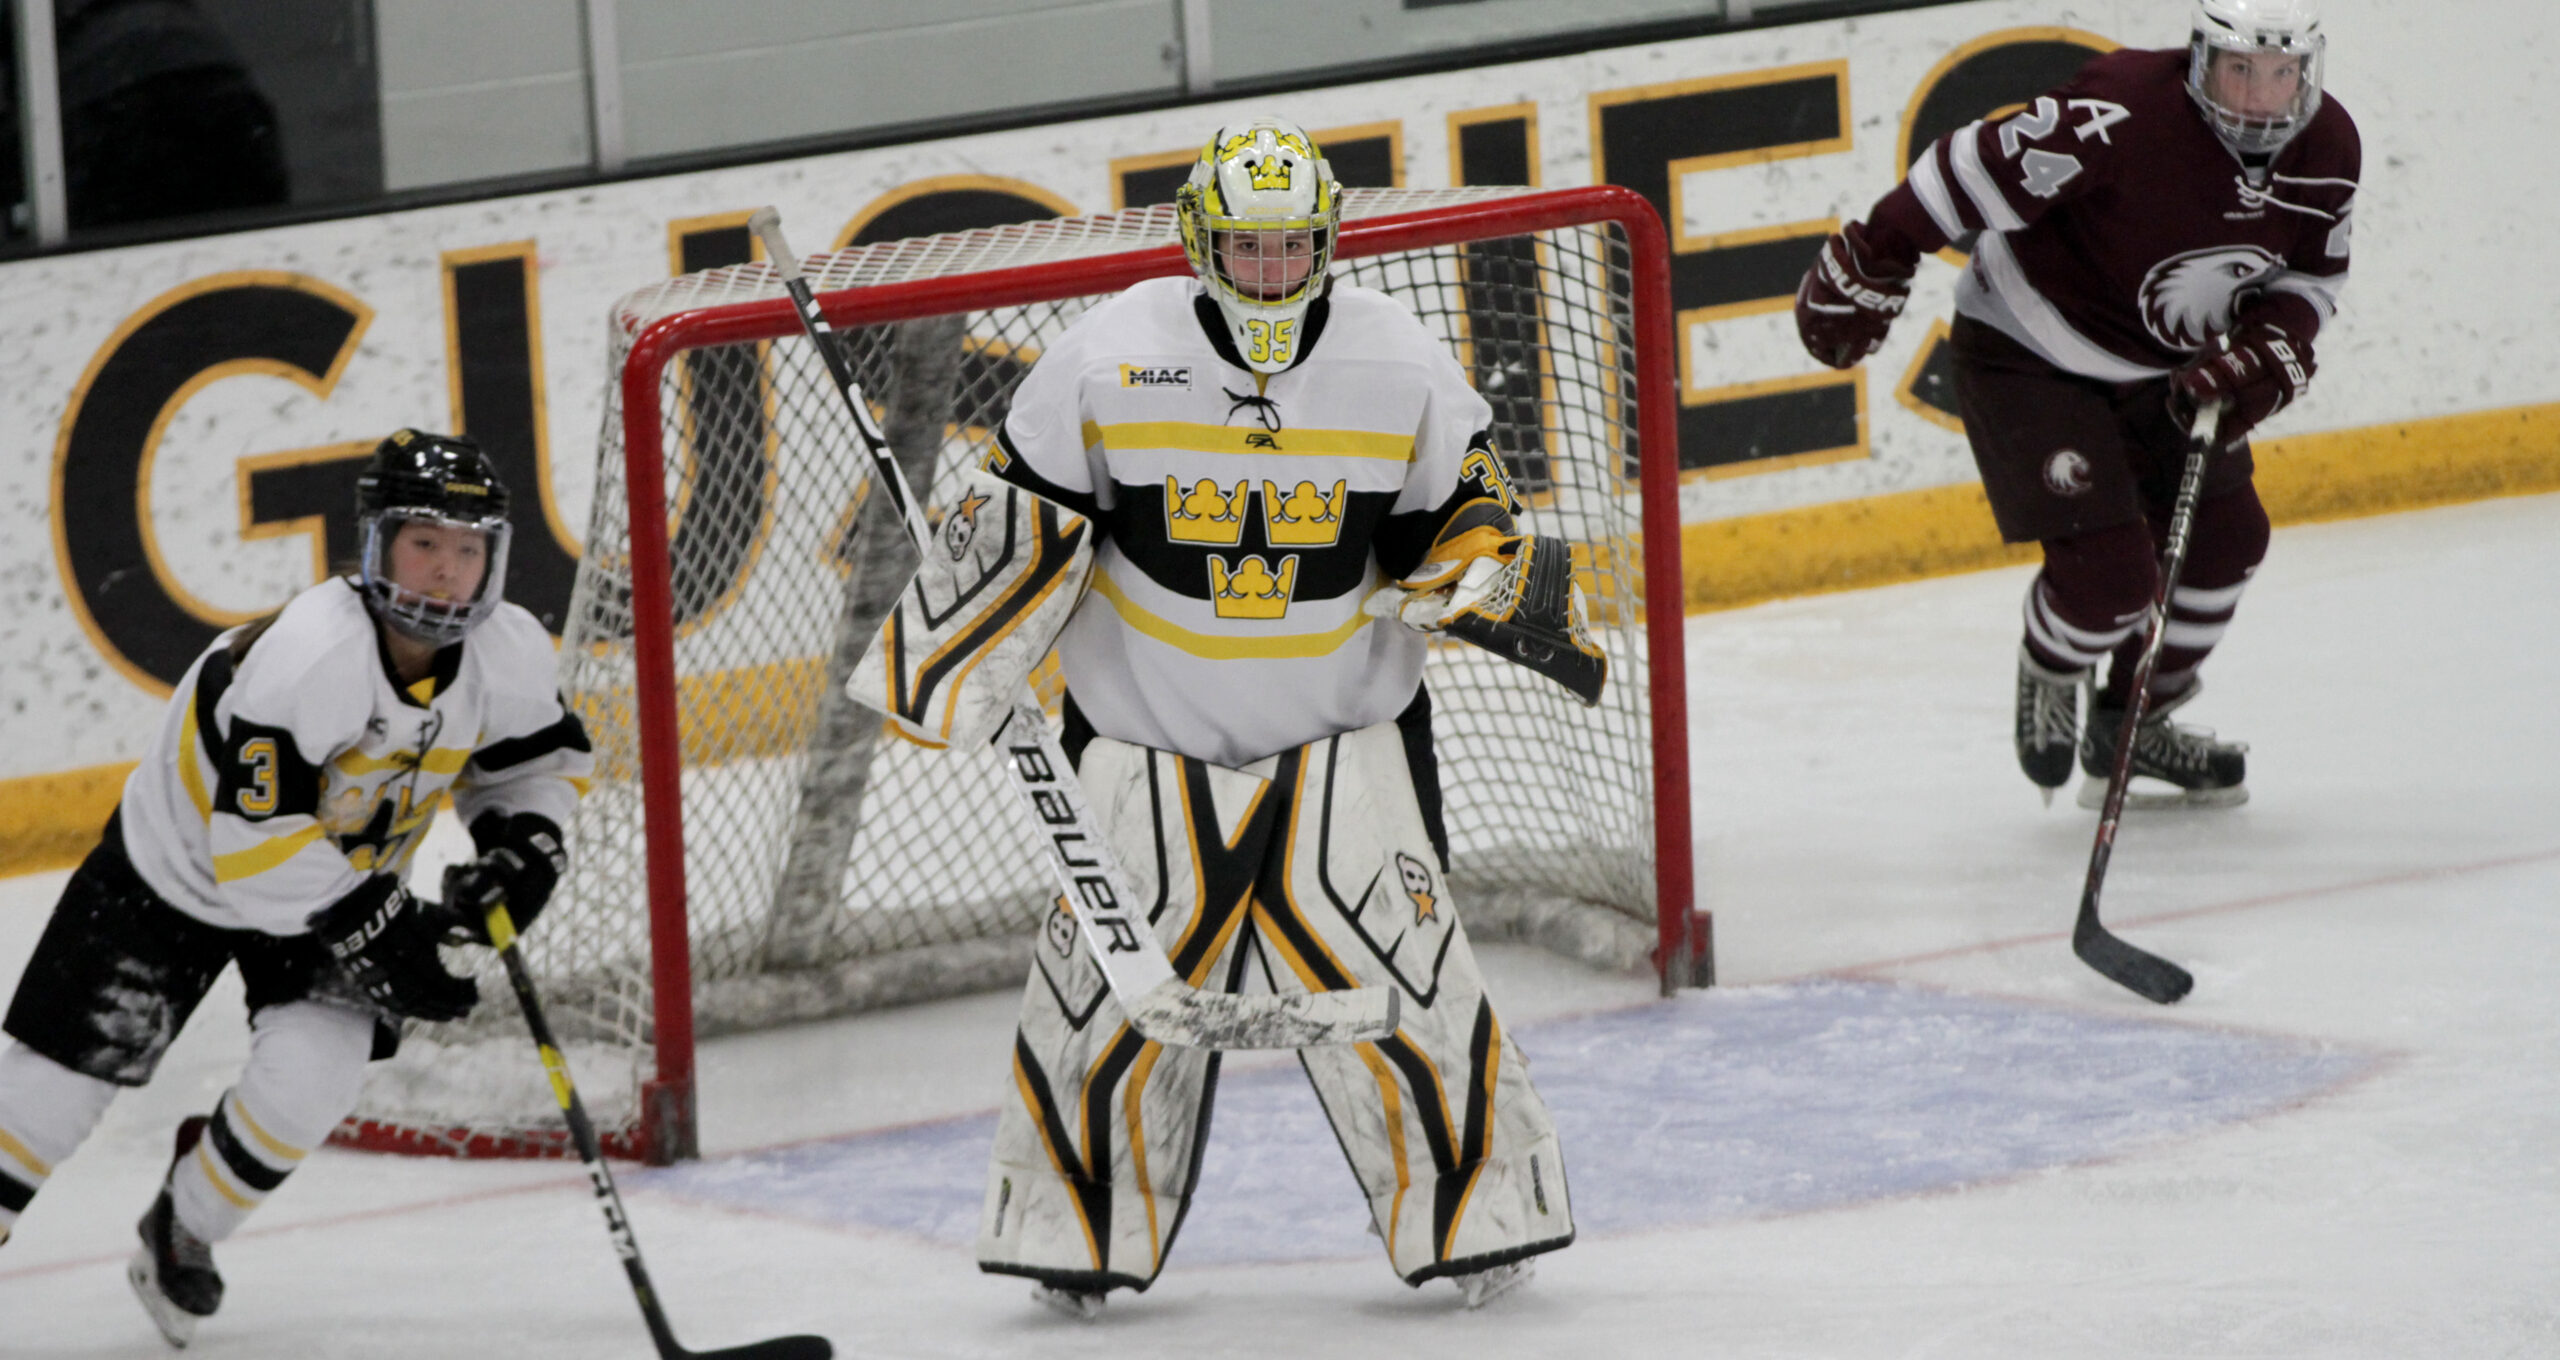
(1317, 878)
(305, 1071)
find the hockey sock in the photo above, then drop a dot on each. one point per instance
(306, 1068)
(2090, 598)
(2228, 542)
(46, 1110)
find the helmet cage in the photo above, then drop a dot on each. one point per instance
(1266, 178)
(416, 614)
(2219, 29)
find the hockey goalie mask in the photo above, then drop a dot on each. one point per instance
(439, 479)
(1259, 216)
(2253, 68)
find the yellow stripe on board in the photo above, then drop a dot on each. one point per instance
(265, 855)
(52, 821)
(49, 821)
(1190, 437)
(1941, 530)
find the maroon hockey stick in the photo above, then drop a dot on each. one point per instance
(582, 1131)
(2147, 974)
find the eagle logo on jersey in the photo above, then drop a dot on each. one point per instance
(2188, 299)
(1204, 514)
(1416, 877)
(1251, 589)
(1305, 517)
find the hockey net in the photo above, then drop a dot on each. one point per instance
(822, 866)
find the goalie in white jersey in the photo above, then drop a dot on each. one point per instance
(271, 824)
(1287, 480)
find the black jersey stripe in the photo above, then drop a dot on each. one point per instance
(568, 734)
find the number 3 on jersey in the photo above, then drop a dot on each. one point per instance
(1271, 339)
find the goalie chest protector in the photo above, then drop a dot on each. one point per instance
(1237, 514)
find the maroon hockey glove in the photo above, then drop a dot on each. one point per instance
(520, 863)
(2255, 370)
(386, 940)
(1848, 299)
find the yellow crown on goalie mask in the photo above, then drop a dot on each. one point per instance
(1263, 175)
(1250, 589)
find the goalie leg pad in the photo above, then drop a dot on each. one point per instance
(1098, 1141)
(1445, 1132)
(1004, 570)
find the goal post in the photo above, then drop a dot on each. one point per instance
(732, 570)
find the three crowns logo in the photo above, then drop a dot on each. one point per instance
(1304, 517)
(1204, 514)
(1250, 589)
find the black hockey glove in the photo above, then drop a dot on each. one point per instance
(386, 941)
(521, 859)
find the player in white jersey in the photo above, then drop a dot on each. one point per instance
(1288, 480)
(271, 824)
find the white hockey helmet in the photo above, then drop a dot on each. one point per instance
(2271, 47)
(1259, 216)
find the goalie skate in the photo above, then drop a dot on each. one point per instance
(1084, 1305)
(2200, 771)
(1481, 1287)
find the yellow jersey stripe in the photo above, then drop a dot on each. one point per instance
(265, 855)
(23, 1156)
(1219, 646)
(1193, 437)
(189, 772)
(438, 760)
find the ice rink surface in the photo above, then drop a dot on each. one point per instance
(1909, 1124)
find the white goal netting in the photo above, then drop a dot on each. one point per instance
(827, 867)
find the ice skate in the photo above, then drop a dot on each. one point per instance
(1480, 1287)
(2048, 722)
(1084, 1305)
(2200, 771)
(173, 1272)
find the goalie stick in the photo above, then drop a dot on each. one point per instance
(2147, 974)
(1109, 920)
(582, 1131)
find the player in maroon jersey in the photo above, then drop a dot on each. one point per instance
(2168, 229)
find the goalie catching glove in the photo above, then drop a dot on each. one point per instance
(1512, 594)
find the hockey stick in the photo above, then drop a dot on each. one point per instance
(2147, 974)
(502, 935)
(1110, 917)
